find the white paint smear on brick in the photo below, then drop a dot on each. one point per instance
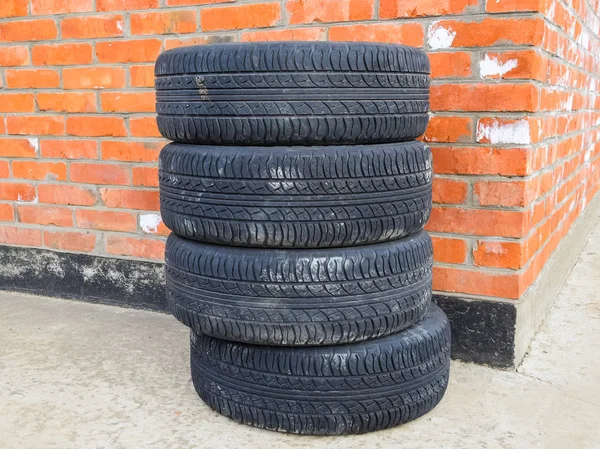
(568, 105)
(497, 133)
(20, 199)
(120, 25)
(440, 37)
(150, 222)
(35, 143)
(493, 67)
(551, 11)
(495, 248)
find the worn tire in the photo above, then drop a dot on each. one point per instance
(295, 197)
(330, 390)
(299, 297)
(292, 93)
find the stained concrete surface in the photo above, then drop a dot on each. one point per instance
(75, 375)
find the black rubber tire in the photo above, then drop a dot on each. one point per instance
(299, 297)
(295, 197)
(330, 390)
(292, 93)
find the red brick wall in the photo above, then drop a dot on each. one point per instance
(514, 130)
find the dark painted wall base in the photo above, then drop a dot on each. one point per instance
(482, 331)
(128, 283)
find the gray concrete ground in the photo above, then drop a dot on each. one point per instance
(75, 375)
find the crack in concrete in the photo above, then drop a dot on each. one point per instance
(557, 388)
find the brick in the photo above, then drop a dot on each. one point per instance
(96, 126)
(50, 7)
(99, 173)
(105, 220)
(449, 129)
(17, 103)
(539, 213)
(12, 56)
(35, 125)
(61, 54)
(476, 283)
(484, 97)
(66, 195)
(446, 250)
(146, 50)
(485, 33)
(70, 241)
(164, 22)
(293, 34)
(255, 15)
(484, 222)
(527, 64)
(45, 215)
(134, 247)
(320, 11)
(196, 2)
(514, 193)
(495, 6)
(38, 170)
(18, 147)
(32, 79)
(143, 127)
(395, 9)
(92, 27)
(69, 149)
(450, 65)
(449, 191)
(67, 102)
(7, 212)
(145, 176)
(17, 191)
(396, 33)
(499, 254)
(131, 151)
(125, 5)
(2, 127)
(141, 75)
(94, 78)
(128, 102)
(493, 193)
(4, 169)
(28, 30)
(13, 8)
(481, 161)
(17, 235)
(130, 199)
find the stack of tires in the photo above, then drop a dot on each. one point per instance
(297, 196)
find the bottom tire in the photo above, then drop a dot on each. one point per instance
(328, 390)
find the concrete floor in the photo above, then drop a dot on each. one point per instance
(74, 375)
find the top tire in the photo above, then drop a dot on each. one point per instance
(292, 93)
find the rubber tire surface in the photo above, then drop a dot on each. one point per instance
(295, 197)
(330, 390)
(292, 93)
(299, 297)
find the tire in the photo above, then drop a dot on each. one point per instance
(295, 197)
(331, 390)
(299, 297)
(292, 93)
